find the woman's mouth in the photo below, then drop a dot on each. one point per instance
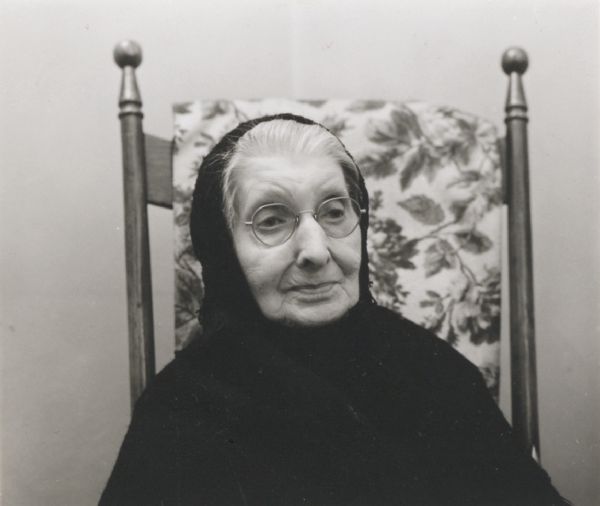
(314, 289)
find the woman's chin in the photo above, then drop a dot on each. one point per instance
(301, 315)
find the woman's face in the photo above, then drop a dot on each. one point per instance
(311, 279)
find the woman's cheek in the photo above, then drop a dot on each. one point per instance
(348, 255)
(263, 272)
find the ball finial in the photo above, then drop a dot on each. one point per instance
(515, 59)
(128, 53)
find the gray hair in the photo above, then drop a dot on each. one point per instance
(285, 137)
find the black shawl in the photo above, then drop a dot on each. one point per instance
(369, 410)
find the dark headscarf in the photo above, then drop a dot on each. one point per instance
(227, 296)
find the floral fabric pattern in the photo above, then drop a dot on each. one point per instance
(434, 179)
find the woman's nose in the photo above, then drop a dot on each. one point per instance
(312, 248)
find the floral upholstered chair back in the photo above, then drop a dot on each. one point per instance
(434, 180)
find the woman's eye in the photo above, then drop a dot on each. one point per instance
(273, 219)
(333, 213)
(270, 222)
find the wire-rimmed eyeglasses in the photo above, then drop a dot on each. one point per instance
(273, 224)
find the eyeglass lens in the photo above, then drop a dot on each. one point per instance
(273, 224)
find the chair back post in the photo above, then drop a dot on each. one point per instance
(522, 332)
(128, 55)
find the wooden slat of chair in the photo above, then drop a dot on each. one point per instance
(159, 171)
(154, 186)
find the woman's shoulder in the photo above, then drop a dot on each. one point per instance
(179, 381)
(399, 330)
(160, 393)
(417, 347)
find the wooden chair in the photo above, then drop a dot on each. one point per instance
(147, 173)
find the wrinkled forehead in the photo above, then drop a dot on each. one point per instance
(302, 180)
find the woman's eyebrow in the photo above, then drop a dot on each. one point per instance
(273, 194)
(331, 191)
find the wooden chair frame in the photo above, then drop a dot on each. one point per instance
(147, 179)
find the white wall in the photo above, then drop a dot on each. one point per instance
(62, 286)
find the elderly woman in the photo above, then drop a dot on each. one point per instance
(302, 389)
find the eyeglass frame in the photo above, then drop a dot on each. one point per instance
(297, 219)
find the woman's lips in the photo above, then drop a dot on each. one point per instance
(316, 289)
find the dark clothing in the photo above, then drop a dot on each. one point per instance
(372, 410)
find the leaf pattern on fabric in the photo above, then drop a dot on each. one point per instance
(423, 209)
(378, 165)
(314, 103)
(439, 255)
(389, 249)
(434, 180)
(474, 241)
(335, 124)
(182, 108)
(366, 105)
(215, 108)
